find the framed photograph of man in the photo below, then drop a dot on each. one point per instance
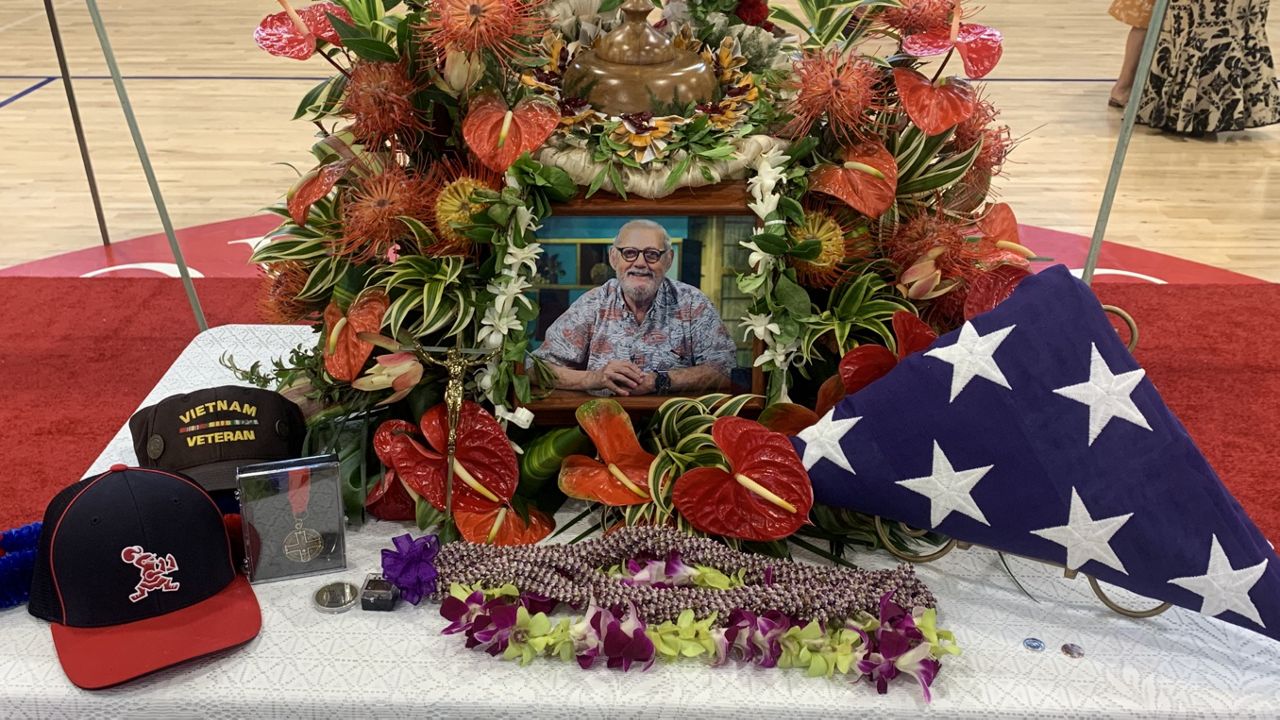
(639, 301)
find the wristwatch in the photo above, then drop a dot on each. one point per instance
(662, 383)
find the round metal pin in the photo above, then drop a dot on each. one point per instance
(337, 597)
(1073, 651)
(1035, 644)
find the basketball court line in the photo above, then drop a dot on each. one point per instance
(18, 96)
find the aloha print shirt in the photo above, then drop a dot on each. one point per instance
(682, 329)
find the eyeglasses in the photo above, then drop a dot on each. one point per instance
(630, 254)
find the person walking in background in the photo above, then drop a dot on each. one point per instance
(1137, 15)
(1212, 70)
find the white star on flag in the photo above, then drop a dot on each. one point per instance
(948, 489)
(1106, 394)
(822, 440)
(1222, 587)
(1085, 538)
(972, 356)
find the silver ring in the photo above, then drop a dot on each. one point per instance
(337, 597)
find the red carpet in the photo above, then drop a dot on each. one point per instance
(77, 356)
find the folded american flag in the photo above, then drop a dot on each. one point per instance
(1032, 430)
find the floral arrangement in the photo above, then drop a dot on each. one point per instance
(447, 135)
(650, 593)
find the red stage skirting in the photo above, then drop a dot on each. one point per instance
(77, 356)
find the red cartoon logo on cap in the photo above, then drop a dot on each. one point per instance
(155, 571)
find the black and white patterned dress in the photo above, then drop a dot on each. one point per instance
(1212, 69)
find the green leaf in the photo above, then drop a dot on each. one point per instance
(370, 49)
(677, 172)
(807, 250)
(321, 100)
(941, 175)
(792, 297)
(615, 179)
(347, 31)
(421, 233)
(324, 276)
(771, 243)
(791, 209)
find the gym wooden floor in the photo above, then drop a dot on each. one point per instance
(215, 112)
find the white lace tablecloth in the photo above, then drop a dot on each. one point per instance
(368, 664)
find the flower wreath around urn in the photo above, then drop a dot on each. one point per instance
(446, 138)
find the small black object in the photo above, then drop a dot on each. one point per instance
(378, 593)
(662, 384)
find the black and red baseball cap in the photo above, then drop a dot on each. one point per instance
(208, 433)
(135, 573)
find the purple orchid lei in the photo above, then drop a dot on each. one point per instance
(513, 623)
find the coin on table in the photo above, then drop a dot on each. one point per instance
(1035, 644)
(1073, 651)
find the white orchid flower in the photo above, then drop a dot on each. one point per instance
(774, 157)
(763, 208)
(484, 378)
(758, 259)
(495, 326)
(522, 416)
(525, 220)
(762, 326)
(517, 259)
(779, 355)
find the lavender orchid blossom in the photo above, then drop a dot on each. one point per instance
(625, 643)
(896, 647)
(491, 630)
(588, 634)
(461, 612)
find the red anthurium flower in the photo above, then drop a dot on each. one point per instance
(766, 495)
(294, 34)
(979, 46)
(344, 352)
(934, 108)
(865, 364)
(503, 526)
(313, 186)
(621, 477)
(1000, 228)
(867, 181)
(388, 500)
(498, 134)
(829, 393)
(787, 418)
(485, 473)
(991, 288)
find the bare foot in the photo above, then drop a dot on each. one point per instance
(1119, 98)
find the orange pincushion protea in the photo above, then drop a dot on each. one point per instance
(844, 87)
(448, 202)
(371, 213)
(500, 26)
(918, 16)
(279, 303)
(941, 255)
(380, 98)
(842, 242)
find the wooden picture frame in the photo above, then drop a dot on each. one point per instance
(558, 407)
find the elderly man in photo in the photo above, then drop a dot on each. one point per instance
(641, 332)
